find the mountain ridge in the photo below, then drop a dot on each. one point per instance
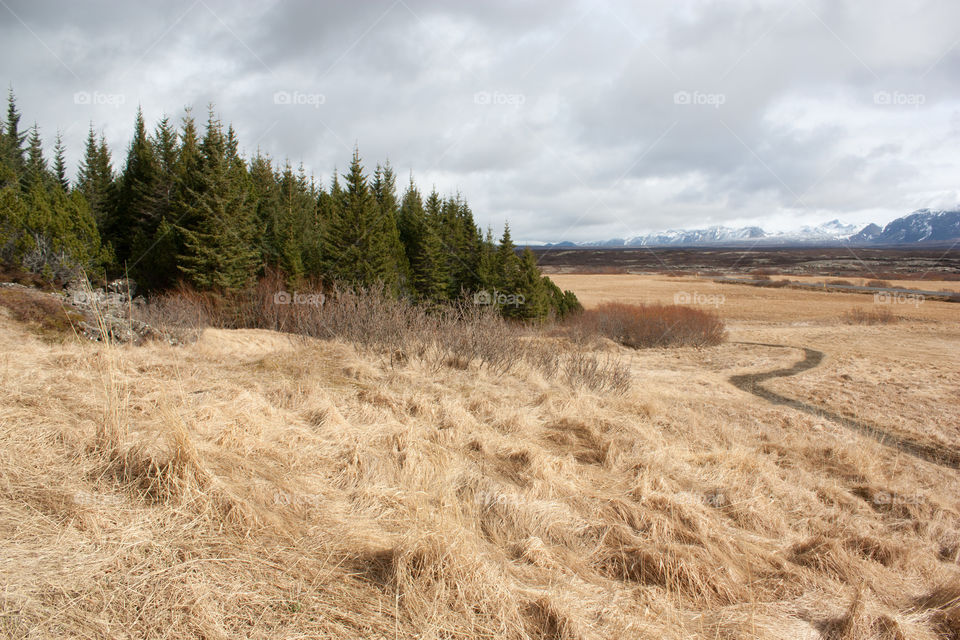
(923, 226)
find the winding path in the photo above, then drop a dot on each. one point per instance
(751, 383)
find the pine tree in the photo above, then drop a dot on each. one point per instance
(12, 151)
(356, 240)
(292, 227)
(384, 189)
(59, 164)
(267, 198)
(133, 220)
(506, 264)
(35, 171)
(532, 298)
(95, 179)
(422, 248)
(218, 247)
(154, 248)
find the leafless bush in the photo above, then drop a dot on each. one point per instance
(177, 317)
(459, 335)
(653, 325)
(859, 315)
(595, 371)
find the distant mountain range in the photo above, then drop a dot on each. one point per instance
(921, 226)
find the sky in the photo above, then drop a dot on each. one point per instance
(574, 121)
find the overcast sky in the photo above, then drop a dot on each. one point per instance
(572, 120)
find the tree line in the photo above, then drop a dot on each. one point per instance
(187, 206)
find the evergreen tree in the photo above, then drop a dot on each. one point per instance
(134, 218)
(35, 171)
(12, 151)
(356, 240)
(506, 268)
(95, 178)
(267, 198)
(486, 261)
(422, 247)
(195, 208)
(218, 246)
(154, 251)
(292, 228)
(384, 189)
(532, 297)
(59, 164)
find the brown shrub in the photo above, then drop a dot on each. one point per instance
(859, 315)
(650, 325)
(41, 311)
(843, 283)
(457, 336)
(878, 283)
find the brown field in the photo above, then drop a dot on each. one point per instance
(258, 485)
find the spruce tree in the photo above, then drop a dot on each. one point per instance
(506, 263)
(60, 164)
(154, 248)
(134, 218)
(532, 298)
(95, 179)
(218, 248)
(35, 171)
(267, 197)
(13, 139)
(422, 248)
(356, 241)
(384, 189)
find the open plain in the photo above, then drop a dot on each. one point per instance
(253, 484)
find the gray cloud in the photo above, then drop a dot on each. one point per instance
(574, 120)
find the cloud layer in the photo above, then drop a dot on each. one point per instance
(574, 120)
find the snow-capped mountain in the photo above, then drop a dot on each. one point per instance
(833, 231)
(921, 226)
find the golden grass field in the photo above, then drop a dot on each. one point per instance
(253, 484)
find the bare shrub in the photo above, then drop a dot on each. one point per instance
(596, 372)
(41, 311)
(459, 335)
(650, 325)
(878, 283)
(859, 315)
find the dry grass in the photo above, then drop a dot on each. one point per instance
(260, 484)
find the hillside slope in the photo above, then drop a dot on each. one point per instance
(256, 485)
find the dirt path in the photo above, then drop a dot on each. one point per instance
(751, 383)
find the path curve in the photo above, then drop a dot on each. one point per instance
(751, 383)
